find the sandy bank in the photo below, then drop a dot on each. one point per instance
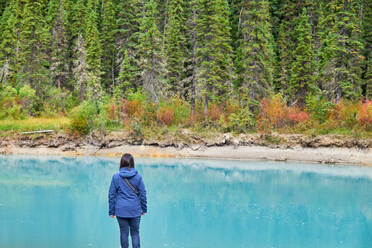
(313, 155)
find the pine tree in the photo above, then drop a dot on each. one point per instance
(3, 4)
(78, 15)
(79, 66)
(286, 39)
(9, 52)
(94, 52)
(367, 40)
(214, 50)
(151, 54)
(302, 78)
(129, 16)
(108, 34)
(57, 19)
(34, 37)
(255, 52)
(126, 76)
(175, 42)
(340, 60)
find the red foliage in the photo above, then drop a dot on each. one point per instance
(166, 115)
(365, 115)
(215, 112)
(111, 110)
(132, 108)
(273, 114)
(298, 116)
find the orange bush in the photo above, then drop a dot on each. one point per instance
(273, 113)
(132, 108)
(166, 115)
(365, 115)
(297, 116)
(111, 110)
(345, 113)
(215, 112)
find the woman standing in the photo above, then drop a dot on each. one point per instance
(127, 201)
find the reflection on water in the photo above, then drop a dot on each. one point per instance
(62, 202)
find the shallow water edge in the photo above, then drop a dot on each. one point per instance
(321, 155)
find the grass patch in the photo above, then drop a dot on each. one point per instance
(34, 124)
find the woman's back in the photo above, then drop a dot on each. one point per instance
(128, 204)
(127, 200)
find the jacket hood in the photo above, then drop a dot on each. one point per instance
(127, 172)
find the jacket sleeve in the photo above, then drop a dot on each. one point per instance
(142, 196)
(112, 197)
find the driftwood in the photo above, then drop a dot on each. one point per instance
(40, 131)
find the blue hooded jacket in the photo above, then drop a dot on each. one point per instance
(123, 201)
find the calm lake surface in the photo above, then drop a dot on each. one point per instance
(60, 202)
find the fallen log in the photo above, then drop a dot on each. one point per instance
(40, 131)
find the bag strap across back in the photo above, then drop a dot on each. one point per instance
(131, 186)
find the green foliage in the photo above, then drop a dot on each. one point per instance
(255, 52)
(214, 52)
(16, 103)
(319, 107)
(151, 53)
(175, 41)
(340, 60)
(107, 39)
(241, 121)
(79, 123)
(174, 57)
(89, 115)
(302, 73)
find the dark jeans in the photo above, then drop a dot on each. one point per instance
(131, 224)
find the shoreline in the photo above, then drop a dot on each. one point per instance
(322, 155)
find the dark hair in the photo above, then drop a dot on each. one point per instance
(127, 161)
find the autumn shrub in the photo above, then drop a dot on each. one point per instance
(165, 115)
(215, 112)
(273, 113)
(365, 115)
(16, 103)
(149, 115)
(297, 116)
(344, 114)
(132, 108)
(111, 110)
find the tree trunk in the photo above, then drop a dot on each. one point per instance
(193, 78)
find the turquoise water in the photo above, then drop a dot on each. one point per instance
(55, 202)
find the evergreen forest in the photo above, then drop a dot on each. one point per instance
(226, 65)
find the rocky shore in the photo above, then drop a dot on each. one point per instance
(281, 147)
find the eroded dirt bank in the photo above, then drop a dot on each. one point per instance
(281, 147)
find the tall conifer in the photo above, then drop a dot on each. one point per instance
(107, 38)
(255, 51)
(94, 52)
(151, 54)
(129, 16)
(367, 40)
(59, 64)
(175, 42)
(34, 38)
(302, 74)
(340, 60)
(9, 45)
(214, 52)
